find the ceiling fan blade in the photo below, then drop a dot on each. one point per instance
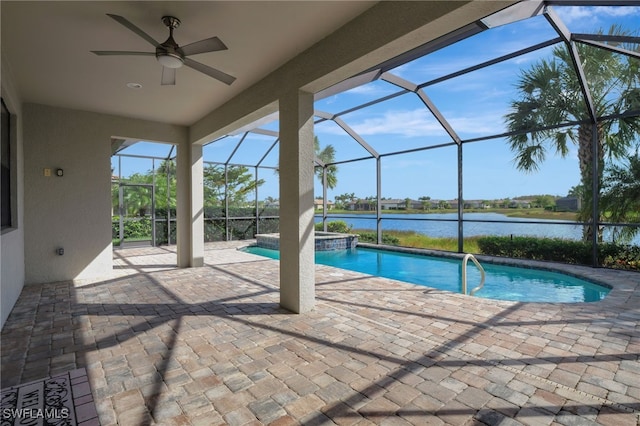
(168, 76)
(123, 21)
(212, 44)
(211, 72)
(121, 53)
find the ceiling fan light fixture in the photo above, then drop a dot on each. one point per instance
(170, 60)
(169, 54)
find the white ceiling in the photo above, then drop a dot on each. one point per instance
(47, 48)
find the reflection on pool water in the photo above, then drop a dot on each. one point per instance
(502, 282)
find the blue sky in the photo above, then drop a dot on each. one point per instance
(474, 104)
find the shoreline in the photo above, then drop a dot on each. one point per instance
(533, 213)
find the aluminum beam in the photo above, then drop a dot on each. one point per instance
(400, 82)
(564, 32)
(236, 148)
(610, 48)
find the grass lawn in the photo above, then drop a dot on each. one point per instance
(116, 241)
(417, 240)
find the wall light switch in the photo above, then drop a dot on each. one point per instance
(47, 172)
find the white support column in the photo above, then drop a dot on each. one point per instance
(297, 280)
(190, 206)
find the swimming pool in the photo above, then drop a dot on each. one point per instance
(502, 282)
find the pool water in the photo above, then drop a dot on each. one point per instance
(502, 282)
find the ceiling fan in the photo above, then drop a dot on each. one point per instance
(170, 55)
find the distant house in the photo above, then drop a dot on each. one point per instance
(568, 204)
(519, 204)
(401, 204)
(418, 204)
(362, 205)
(318, 204)
(393, 204)
(475, 204)
(433, 204)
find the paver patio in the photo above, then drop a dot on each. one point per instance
(210, 345)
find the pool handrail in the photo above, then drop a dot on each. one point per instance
(465, 260)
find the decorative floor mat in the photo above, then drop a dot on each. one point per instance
(62, 400)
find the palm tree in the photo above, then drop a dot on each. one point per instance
(551, 95)
(136, 199)
(327, 156)
(165, 186)
(621, 196)
(343, 200)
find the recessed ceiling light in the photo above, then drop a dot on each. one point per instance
(134, 85)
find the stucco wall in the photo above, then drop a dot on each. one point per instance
(12, 240)
(74, 211)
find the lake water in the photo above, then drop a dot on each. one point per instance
(445, 225)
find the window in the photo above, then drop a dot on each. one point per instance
(5, 155)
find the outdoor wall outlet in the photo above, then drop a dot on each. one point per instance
(60, 251)
(47, 172)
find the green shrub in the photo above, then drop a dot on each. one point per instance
(214, 230)
(372, 237)
(619, 256)
(555, 249)
(242, 229)
(269, 225)
(161, 233)
(115, 228)
(133, 229)
(161, 212)
(610, 255)
(335, 226)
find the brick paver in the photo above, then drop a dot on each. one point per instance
(211, 345)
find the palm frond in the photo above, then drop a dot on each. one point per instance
(529, 158)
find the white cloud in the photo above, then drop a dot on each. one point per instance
(366, 89)
(370, 91)
(572, 14)
(590, 14)
(479, 125)
(407, 123)
(375, 88)
(419, 123)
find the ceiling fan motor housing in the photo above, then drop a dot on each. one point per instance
(168, 53)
